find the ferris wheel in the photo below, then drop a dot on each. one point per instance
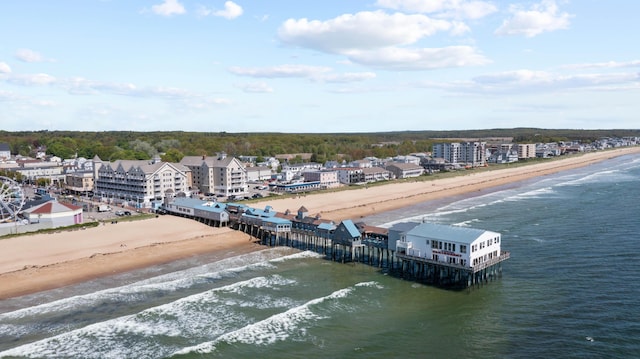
(11, 199)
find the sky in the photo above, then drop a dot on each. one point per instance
(330, 66)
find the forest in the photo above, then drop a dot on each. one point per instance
(173, 145)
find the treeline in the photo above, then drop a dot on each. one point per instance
(173, 145)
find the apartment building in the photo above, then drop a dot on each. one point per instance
(220, 175)
(526, 151)
(142, 184)
(470, 153)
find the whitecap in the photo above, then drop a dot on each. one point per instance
(278, 327)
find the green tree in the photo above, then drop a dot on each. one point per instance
(172, 155)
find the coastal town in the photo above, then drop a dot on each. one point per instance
(211, 190)
(144, 185)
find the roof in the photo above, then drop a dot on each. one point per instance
(351, 228)
(365, 228)
(276, 220)
(327, 226)
(5, 147)
(447, 233)
(403, 227)
(52, 207)
(267, 212)
(258, 168)
(199, 204)
(214, 162)
(147, 167)
(373, 170)
(404, 166)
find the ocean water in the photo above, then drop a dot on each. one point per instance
(570, 290)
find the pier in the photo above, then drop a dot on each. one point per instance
(409, 250)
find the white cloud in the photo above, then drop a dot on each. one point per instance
(528, 81)
(8, 96)
(4, 68)
(442, 8)
(605, 65)
(363, 30)
(168, 8)
(314, 73)
(280, 71)
(32, 79)
(44, 103)
(230, 12)
(256, 87)
(348, 77)
(542, 17)
(27, 55)
(380, 39)
(420, 59)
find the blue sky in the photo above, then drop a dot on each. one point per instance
(318, 66)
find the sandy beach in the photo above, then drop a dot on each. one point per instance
(38, 262)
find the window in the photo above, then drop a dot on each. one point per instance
(463, 248)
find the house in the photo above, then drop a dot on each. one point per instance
(258, 173)
(350, 175)
(53, 214)
(327, 178)
(375, 174)
(5, 152)
(405, 170)
(467, 247)
(79, 182)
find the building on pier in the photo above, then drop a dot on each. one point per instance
(348, 234)
(302, 221)
(213, 213)
(433, 253)
(467, 247)
(267, 220)
(373, 236)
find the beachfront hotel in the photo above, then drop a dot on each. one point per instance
(140, 184)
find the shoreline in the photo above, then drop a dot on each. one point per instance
(39, 262)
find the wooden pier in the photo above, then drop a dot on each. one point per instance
(344, 242)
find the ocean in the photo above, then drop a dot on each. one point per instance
(569, 290)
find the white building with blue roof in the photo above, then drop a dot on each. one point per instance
(467, 247)
(207, 211)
